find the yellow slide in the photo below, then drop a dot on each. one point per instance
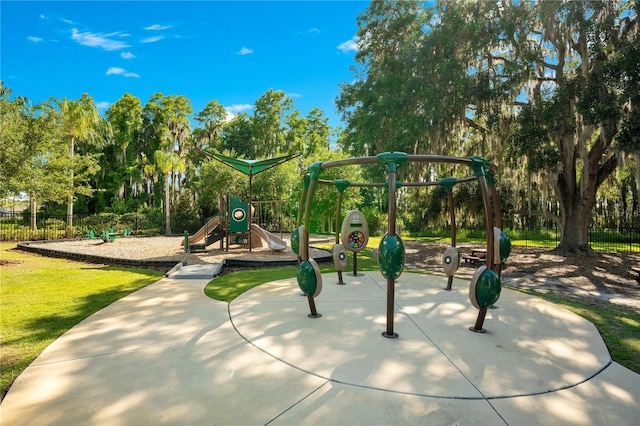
(208, 226)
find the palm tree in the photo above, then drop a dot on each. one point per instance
(79, 123)
(165, 162)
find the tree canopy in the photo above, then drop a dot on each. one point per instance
(549, 89)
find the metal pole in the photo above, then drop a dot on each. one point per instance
(389, 333)
(355, 264)
(490, 243)
(250, 218)
(452, 214)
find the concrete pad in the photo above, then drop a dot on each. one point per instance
(530, 347)
(166, 312)
(610, 398)
(169, 357)
(169, 354)
(339, 404)
(211, 379)
(346, 346)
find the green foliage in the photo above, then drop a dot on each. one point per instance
(547, 87)
(101, 221)
(237, 136)
(185, 214)
(139, 221)
(31, 160)
(325, 197)
(267, 122)
(376, 219)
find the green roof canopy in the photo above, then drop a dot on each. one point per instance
(251, 167)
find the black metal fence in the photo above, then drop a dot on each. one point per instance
(624, 240)
(15, 227)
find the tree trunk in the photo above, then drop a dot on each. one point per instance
(33, 210)
(576, 202)
(575, 231)
(70, 199)
(167, 210)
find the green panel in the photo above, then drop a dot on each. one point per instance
(307, 280)
(251, 167)
(295, 241)
(505, 246)
(488, 288)
(391, 256)
(238, 215)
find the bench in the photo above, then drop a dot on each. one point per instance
(476, 257)
(473, 260)
(108, 236)
(479, 253)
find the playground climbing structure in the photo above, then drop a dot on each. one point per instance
(484, 289)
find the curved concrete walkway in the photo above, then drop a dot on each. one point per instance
(168, 354)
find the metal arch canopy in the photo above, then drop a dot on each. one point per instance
(251, 167)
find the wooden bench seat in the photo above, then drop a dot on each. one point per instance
(473, 259)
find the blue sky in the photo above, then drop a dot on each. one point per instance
(228, 51)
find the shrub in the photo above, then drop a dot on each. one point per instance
(101, 221)
(184, 216)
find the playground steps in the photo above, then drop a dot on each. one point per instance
(201, 271)
(197, 248)
(216, 236)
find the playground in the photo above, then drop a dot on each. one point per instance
(169, 354)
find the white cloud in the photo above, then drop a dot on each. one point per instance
(157, 27)
(294, 95)
(151, 39)
(97, 40)
(127, 55)
(314, 31)
(122, 72)
(349, 45)
(103, 105)
(235, 108)
(67, 21)
(34, 39)
(245, 51)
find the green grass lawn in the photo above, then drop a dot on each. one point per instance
(41, 298)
